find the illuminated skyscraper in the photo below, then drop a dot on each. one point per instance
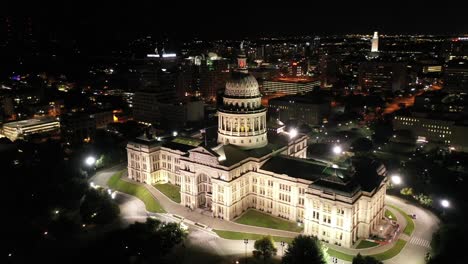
(375, 42)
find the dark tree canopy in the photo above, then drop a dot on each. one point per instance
(304, 249)
(264, 248)
(359, 259)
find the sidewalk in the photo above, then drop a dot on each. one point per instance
(211, 222)
(215, 223)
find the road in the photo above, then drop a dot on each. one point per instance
(426, 223)
(203, 240)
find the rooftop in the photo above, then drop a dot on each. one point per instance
(29, 122)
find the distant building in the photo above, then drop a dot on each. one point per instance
(382, 76)
(456, 76)
(77, 128)
(375, 42)
(309, 108)
(146, 105)
(103, 118)
(441, 102)
(290, 85)
(195, 111)
(426, 128)
(22, 129)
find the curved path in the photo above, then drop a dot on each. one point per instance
(132, 209)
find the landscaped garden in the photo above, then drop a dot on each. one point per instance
(116, 183)
(240, 236)
(256, 218)
(366, 244)
(170, 190)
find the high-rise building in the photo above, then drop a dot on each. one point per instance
(456, 76)
(375, 42)
(78, 127)
(310, 108)
(382, 76)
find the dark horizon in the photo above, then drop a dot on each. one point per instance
(82, 22)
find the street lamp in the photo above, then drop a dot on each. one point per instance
(445, 203)
(282, 243)
(90, 160)
(396, 179)
(246, 241)
(337, 149)
(293, 133)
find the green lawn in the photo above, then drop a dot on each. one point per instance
(410, 224)
(340, 255)
(139, 191)
(240, 236)
(390, 215)
(395, 250)
(170, 190)
(256, 218)
(366, 244)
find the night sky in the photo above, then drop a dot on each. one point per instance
(234, 19)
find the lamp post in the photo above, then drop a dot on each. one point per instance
(445, 204)
(282, 243)
(90, 161)
(246, 241)
(337, 150)
(396, 179)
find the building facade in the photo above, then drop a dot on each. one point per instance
(382, 76)
(22, 129)
(248, 171)
(290, 85)
(445, 132)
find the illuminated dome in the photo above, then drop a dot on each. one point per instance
(241, 117)
(242, 85)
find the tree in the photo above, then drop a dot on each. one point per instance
(407, 191)
(97, 207)
(424, 199)
(304, 249)
(264, 248)
(359, 259)
(362, 145)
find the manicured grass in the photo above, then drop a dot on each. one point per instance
(256, 218)
(340, 255)
(395, 250)
(139, 191)
(240, 236)
(366, 244)
(390, 215)
(170, 190)
(410, 224)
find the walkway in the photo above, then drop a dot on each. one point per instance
(417, 245)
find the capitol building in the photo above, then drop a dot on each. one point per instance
(247, 169)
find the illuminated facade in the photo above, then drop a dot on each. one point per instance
(425, 129)
(290, 85)
(248, 171)
(21, 129)
(375, 42)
